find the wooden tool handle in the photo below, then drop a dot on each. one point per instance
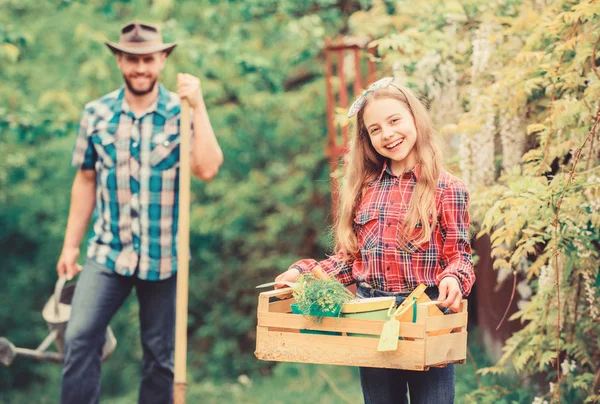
(319, 273)
(183, 257)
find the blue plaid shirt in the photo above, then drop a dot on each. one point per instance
(136, 159)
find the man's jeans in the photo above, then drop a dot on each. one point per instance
(383, 386)
(98, 295)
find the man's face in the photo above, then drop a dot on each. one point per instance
(141, 71)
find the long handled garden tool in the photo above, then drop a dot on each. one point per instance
(183, 251)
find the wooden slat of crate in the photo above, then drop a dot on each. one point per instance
(282, 306)
(446, 348)
(348, 325)
(337, 350)
(447, 321)
(275, 292)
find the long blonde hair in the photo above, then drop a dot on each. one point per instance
(363, 165)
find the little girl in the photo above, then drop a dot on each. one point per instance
(402, 220)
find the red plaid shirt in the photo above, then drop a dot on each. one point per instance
(383, 264)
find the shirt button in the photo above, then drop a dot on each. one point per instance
(389, 224)
(386, 245)
(166, 143)
(135, 144)
(392, 202)
(388, 268)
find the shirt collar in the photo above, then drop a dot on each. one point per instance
(414, 172)
(159, 105)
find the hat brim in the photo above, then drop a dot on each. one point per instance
(140, 50)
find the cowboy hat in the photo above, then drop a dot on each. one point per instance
(140, 39)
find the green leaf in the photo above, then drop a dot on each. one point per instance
(9, 52)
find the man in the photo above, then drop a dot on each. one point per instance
(127, 153)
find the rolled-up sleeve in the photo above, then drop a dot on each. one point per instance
(339, 266)
(84, 154)
(456, 258)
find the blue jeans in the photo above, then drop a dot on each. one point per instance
(98, 295)
(383, 386)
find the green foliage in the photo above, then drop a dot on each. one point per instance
(258, 62)
(316, 297)
(288, 383)
(262, 80)
(520, 78)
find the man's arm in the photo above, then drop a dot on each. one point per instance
(83, 200)
(207, 156)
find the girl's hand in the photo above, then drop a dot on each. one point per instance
(450, 294)
(288, 276)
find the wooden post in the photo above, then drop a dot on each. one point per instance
(358, 80)
(183, 251)
(343, 91)
(335, 52)
(371, 65)
(331, 149)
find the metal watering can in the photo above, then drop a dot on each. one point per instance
(56, 312)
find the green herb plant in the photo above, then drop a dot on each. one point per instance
(320, 298)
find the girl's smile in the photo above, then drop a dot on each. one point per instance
(394, 146)
(392, 132)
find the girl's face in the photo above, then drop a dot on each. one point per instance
(392, 132)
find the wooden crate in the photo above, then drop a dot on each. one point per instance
(278, 338)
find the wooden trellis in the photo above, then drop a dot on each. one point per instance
(337, 88)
